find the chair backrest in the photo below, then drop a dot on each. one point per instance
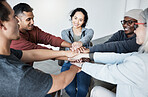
(61, 62)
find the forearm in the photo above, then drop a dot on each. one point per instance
(66, 44)
(62, 58)
(40, 55)
(63, 79)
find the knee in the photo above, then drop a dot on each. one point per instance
(102, 92)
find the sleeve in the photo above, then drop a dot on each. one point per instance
(88, 36)
(65, 36)
(129, 72)
(110, 58)
(23, 44)
(17, 53)
(46, 38)
(117, 46)
(35, 83)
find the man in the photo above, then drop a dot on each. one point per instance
(123, 41)
(21, 80)
(32, 35)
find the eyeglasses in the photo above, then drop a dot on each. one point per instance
(136, 25)
(129, 22)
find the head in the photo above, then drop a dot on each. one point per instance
(79, 17)
(130, 18)
(8, 23)
(24, 15)
(142, 31)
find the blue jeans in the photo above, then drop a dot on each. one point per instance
(80, 85)
(48, 95)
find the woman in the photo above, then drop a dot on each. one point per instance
(128, 71)
(79, 36)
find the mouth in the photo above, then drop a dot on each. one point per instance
(126, 29)
(76, 24)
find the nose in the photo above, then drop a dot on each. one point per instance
(32, 21)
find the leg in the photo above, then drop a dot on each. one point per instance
(83, 83)
(71, 88)
(99, 91)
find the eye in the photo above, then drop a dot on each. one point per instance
(75, 17)
(81, 20)
(28, 19)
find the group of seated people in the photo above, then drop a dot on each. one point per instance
(122, 60)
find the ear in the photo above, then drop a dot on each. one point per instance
(18, 19)
(1, 25)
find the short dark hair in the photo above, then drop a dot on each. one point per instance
(83, 11)
(4, 11)
(19, 8)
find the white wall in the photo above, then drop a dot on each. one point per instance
(104, 15)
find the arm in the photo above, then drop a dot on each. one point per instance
(23, 44)
(130, 72)
(65, 36)
(44, 54)
(63, 79)
(117, 46)
(66, 44)
(105, 58)
(88, 36)
(46, 38)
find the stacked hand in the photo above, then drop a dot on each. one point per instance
(78, 47)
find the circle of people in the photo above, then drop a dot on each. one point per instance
(120, 62)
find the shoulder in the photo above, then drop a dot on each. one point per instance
(65, 31)
(88, 30)
(120, 32)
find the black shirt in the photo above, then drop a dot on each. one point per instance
(18, 79)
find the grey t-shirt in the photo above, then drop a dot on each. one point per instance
(18, 79)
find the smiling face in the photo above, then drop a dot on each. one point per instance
(128, 25)
(10, 27)
(78, 20)
(26, 21)
(140, 33)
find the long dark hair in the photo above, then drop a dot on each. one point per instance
(83, 11)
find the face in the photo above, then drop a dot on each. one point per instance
(140, 33)
(128, 25)
(25, 20)
(78, 20)
(10, 28)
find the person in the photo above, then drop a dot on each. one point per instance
(17, 78)
(123, 41)
(129, 71)
(32, 35)
(79, 36)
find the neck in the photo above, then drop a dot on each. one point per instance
(130, 34)
(5, 47)
(77, 31)
(22, 30)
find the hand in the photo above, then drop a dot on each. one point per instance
(76, 45)
(78, 56)
(80, 50)
(85, 50)
(70, 53)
